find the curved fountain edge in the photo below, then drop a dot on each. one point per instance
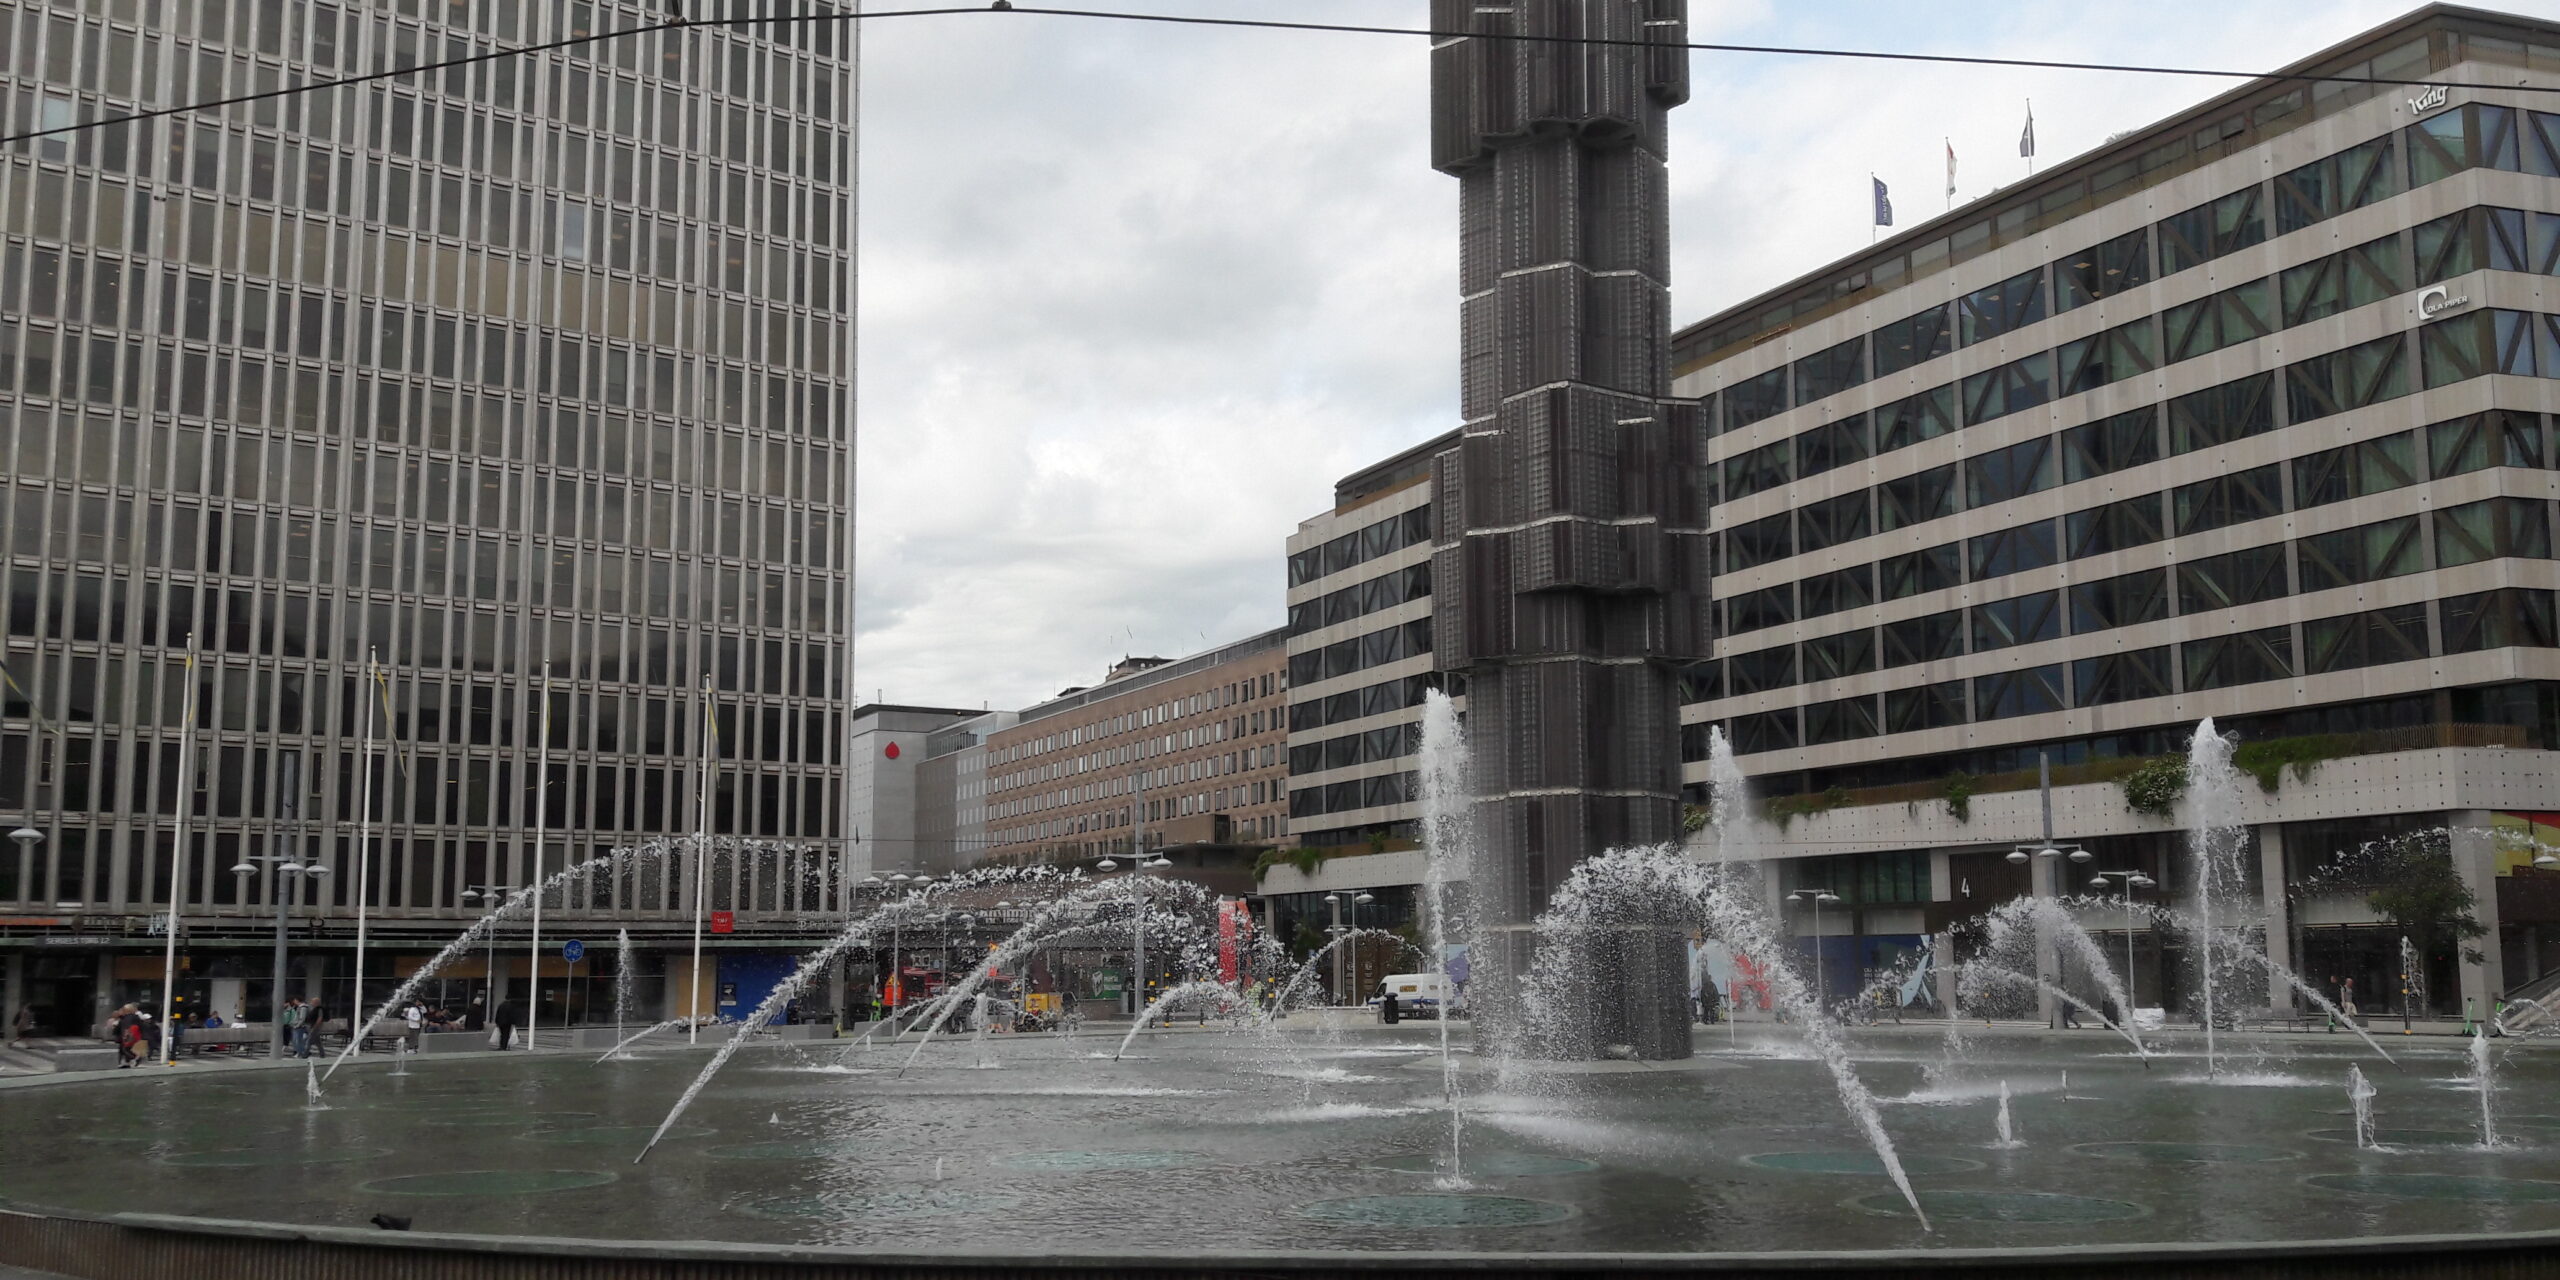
(123, 1246)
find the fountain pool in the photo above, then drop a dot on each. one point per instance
(1231, 1142)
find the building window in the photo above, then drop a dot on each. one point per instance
(2356, 470)
(2120, 677)
(2225, 319)
(2012, 388)
(2507, 618)
(2113, 356)
(1927, 638)
(1763, 541)
(1762, 670)
(1754, 398)
(1917, 498)
(2232, 579)
(1913, 572)
(1929, 706)
(2366, 374)
(2498, 438)
(2489, 529)
(1767, 607)
(2248, 657)
(2227, 500)
(1988, 312)
(2235, 410)
(2333, 184)
(2133, 522)
(1765, 731)
(2007, 694)
(1841, 721)
(2122, 601)
(2366, 553)
(1847, 653)
(1841, 589)
(2343, 281)
(1833, 521)
(2102, 270)
(1832, 445)
(1828, 372)
(1757, 471)
(2015, 549)
(2014, 472)
(1912, 419)
(2210, 230)
(1913, 340)
(2364, 639)
(2019, 620)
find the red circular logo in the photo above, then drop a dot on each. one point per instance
(892, 752)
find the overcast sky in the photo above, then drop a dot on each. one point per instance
(1134, 296)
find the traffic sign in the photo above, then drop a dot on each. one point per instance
(573, 950)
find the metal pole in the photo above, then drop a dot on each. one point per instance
(275, 1006)
(1338, 936)
(541, 811)
(1821, 989)
(701, 866)
(364, 853)
(178, 860)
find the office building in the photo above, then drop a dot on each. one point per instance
(1359, 644)
(2248, 415)
(536, 367)
(1190, 753)
(888, 795)
(951, 793)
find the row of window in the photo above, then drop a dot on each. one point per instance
(2497, 438)
(1361, 545)
(2490, 620)
(2494, 528)
(1368, 700)
(1359, 653)
(1360, 599)
(2473, 135)
(2470, 345)
(2500, 239)
(1358, 793)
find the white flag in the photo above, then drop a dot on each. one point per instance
(1951, 170)
(2027, 140)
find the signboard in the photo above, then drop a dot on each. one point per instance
(573, 951)
(724, 922)
(1107, 983)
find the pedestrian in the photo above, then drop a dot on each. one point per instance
(1388, 1012)
(416, 1016)
(2108, 1013)
(125, 1031)
(475, 1018)
(150, 1036)
(508, 1019)
(20, 1025)
(2347, 999)
(290, 1017)
(2070, 1015)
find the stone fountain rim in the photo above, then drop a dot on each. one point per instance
(541, 1254)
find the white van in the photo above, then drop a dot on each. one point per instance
(1418, 995)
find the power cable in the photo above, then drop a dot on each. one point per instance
(1262, 24)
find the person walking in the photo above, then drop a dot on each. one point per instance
(124, 1029)
(508, 1019)
(22, 1024)
(476, 1017)
(291, 1018)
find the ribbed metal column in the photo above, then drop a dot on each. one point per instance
(1570, 576)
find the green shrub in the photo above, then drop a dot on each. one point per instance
(2154, 789)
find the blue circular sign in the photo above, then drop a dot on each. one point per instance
(572, 950)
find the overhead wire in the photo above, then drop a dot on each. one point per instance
(1263, 24)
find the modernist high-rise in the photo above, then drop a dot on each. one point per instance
(1571, 558)
(540, 364)
(2246, 414)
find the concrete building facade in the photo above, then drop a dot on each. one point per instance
(537, 366)
(1189, 752)
(2245, 415)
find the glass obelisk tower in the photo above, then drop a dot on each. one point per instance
(1571, 564)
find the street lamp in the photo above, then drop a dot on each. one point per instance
(2128, 881)
(283, 870)
(1822, 990)
(2019, 856)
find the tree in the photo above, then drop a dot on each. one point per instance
(2416, 888)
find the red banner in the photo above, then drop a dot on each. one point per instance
(724, 922)
(1229, 926)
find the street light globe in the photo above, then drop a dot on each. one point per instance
(1364, 898)
(1106, 865)
(1333, 897)
(243, 869)
(1161, 861)
(2080, 855)
(1828, 896)
(315, 869)
(2097, 882)
(2017, 857)
(26, 835)
(2142, 882)
(2546, 858)
(922, 878)
(289, 868)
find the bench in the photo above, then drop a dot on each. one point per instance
(435, 1042)
(85, 1059)
(2287, 1019)
(195, 1040)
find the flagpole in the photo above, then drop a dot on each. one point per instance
(364, 854)
(701, 866)
(541, 813)
(2031, 137)
(178, 867)
(1873, 226)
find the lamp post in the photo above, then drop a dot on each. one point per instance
(2043, 852)
(283, 870)
(2127, 881)
(493, 894)
(1343, 994)
(1821, 988)
(1139, 865)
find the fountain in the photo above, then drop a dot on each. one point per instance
(2215, 837)
(624, 972)
(2482, 1080)
(2360, 1100)
(2008, 1134)
(1446, 819)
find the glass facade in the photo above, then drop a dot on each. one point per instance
(537, 365)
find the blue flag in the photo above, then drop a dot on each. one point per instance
(1884, 204)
